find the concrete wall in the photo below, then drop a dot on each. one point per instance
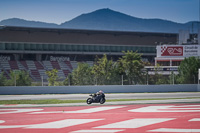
(198, 88)
(92, 89)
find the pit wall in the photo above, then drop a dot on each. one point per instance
(12, 90)
(198, 87)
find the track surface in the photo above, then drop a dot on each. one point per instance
(150, 118)
(108, 96)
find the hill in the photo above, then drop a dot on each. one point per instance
(106, 19)
(26, 23)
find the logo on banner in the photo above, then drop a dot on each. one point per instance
(171, 51)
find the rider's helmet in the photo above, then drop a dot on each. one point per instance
(101, 92)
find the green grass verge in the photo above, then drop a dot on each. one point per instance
(115, 100)
(56, 101)
(47, 101)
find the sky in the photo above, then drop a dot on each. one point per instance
(60, 11)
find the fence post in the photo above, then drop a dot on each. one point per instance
(15, 80)
(122, 79)
(42, 81)
(147, 74)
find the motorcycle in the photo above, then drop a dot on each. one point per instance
(96, 99)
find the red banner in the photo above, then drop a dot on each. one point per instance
(171, 51)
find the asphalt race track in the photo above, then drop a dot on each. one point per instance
(108, 96)
(138, 118)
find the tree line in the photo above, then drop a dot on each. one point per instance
(127, 70)
(17, 78)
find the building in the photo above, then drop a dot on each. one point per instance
(39, 49)
(169, 57)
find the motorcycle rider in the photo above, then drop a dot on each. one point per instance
(100, 94)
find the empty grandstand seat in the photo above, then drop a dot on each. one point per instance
(36, 74)
(69, 64)
(38, 65)
(31, 65)
(6, 74)
(66, 72)
(5, 65)
(38, 69)
(91, 63)
(74, 64)
(43, 73)
(61, 75)
(55, 65)
(24, 64)
(13, 65)
(48, 65)
(21, 67)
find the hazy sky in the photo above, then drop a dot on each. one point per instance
(59, 11)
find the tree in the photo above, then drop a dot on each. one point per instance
(82, 75)
(103, 70)
(68, 80)
(23, 79)
(12, 80)
(52, 77)
(18, 78)
(2, 79)
(162, 79)
(158, 78)
(188, 70)
(131, 65)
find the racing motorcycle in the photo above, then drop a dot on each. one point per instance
(96, 99)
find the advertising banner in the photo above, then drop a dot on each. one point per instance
(199, 74)
(178, 50)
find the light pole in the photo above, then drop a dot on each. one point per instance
(173, 77)
(147, 78)
(122, 79)
(42, 81)
(199, 76)
(15, 80)
(69, 79)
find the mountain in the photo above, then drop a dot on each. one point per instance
(106, 19)
(25, 23)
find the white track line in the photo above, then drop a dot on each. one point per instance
(175, 130)
(96, 131)
(136, 123)
(90, 110)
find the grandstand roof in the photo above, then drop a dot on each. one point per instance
(60, 30)
(81, 36)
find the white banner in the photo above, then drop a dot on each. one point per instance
(178, 50)
(199, 74)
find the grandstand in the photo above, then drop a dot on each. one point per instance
(37, 50)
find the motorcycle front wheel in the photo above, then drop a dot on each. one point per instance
(102, 100)
(89, 101)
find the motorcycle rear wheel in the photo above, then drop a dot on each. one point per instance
(89, 101)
